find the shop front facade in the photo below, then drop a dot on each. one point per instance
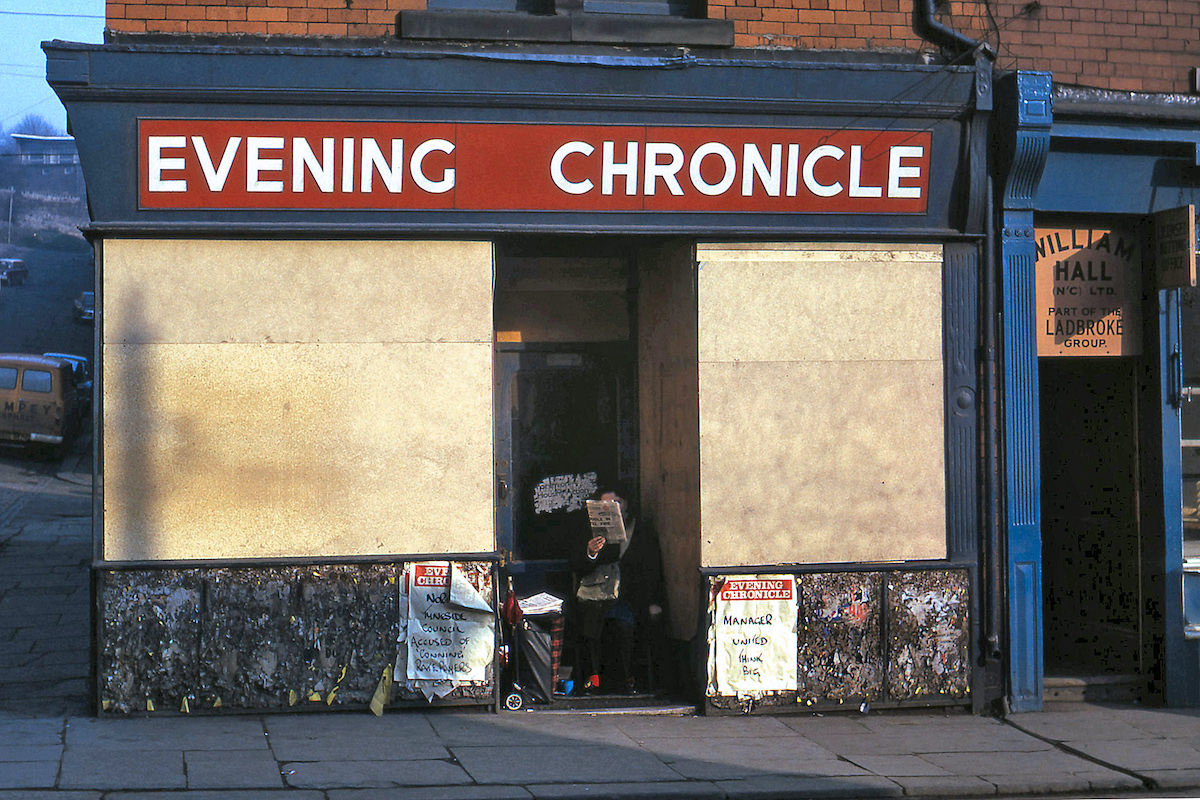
(375, 321)
(1098, 244)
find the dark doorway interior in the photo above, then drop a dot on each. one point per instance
(566, 409)
(1090, 531)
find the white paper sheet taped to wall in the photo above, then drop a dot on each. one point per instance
(753, 636)
(447, 630)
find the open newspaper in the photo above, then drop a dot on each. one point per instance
(605, 519)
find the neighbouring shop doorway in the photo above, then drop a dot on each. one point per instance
(1091, 550)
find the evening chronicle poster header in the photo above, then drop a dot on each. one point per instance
(303, 164)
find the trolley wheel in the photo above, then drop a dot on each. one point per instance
(514, 701)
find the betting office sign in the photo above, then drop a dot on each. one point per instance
(294, 164)
(1088, 286)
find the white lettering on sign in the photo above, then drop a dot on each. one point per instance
(556, 164)
(265, 171)
(341, 164)
(160, 163)
(256, 164)
(215, 177)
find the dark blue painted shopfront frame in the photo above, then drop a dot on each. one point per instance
(1110, 158)
(108, 88)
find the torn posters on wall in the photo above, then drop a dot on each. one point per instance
(563, 492)
(752, 648)
(448, 627)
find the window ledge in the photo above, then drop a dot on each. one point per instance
(579, 27)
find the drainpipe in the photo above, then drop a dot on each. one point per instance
(926, 26)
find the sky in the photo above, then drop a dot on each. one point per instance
(24, 25)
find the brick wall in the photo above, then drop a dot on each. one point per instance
(1146, 45)
(1131, 45)
(258, 17)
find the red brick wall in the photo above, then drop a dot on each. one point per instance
(1146, 45)
(258, 17)
(819, 24)
(1131, 45)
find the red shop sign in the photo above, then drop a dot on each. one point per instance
(268, 164)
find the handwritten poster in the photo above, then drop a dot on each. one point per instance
(449, 629)
(754, 636)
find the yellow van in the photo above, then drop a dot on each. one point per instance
(39, 401)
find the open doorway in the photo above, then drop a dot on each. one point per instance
(569, 425)
(1091, 541)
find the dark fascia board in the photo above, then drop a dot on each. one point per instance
(106, 88)
(1117, 119)
(510, 75)
(626, 29)
(243, 44)
(1078, 103)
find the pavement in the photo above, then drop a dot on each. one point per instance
(53, 747)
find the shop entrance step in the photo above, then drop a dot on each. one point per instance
(1092, 688)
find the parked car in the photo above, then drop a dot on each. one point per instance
(82, 368)
(85, 307)
(39, 402)
(12, 272)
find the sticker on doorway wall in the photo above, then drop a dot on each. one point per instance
(1088, 288)
(563, 492)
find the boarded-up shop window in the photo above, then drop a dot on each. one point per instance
(821, 403)
(303, 398)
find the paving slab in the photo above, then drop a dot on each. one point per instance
(224, 794)
(122, 769)
(1070, 725)
(928, 740)
(324, 725)
(166, 733)
(220, 769)
(691, 790)
(384, 747)
(903, 766)
(28, 774)
(657, 727)
(827, 725)
(1034, 783)
(530, 729)
(49, 795)
(1137, 755)
(1185, 778)
(371, 774)
(21, 730)
(1170, 722)
(713, 770)
(1107, 779)
(739, 750)
(776, 787)
(725, 759)
(30, 752)
(596, 763)
(954, 786)
(432, 793)
(1044, 762)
